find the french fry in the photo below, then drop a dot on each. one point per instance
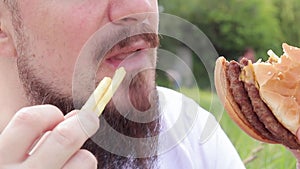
(99, 92)
(104, 92)
(115, 83)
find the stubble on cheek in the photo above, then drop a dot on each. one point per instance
(37, 89)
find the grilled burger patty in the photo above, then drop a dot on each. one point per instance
(257, 113)
(240, 96)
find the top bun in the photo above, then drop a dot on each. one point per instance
(278, 80)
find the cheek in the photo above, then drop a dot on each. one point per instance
(57, 34)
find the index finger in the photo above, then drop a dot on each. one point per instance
(64, 141)
(26, 126)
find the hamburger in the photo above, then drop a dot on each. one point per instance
(263, 98)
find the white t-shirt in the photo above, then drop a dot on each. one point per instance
(192, 139)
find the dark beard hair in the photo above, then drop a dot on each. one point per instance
(139, 91)
(39, 93)
(111, 119)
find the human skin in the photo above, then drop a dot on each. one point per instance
(53, 39)
(55, 33)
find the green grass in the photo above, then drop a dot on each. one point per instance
(269, 157)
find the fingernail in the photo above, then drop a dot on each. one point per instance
(89, 122)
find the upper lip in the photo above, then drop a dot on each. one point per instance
(122, 53)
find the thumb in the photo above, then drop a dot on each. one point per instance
(297, 152)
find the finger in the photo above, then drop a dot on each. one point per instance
(43, 138)
(298, 134)
(72, 113)
(83, 159)
(26, 126)
(297, 152)
(64, 141)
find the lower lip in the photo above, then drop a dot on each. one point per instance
(134, 61)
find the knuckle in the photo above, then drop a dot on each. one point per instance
(55, 111)
(50, 108)
(32, 116)
(26, 116)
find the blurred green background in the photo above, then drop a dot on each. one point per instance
(232, 26)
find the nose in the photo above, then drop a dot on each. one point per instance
(130, 11)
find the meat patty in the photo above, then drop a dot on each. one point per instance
(258, 114)
(240, 96)
(265, 115)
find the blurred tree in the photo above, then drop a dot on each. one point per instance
(289, 17)
(233, 25)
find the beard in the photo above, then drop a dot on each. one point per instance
(113, 119)
(142, 95)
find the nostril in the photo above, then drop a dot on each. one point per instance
(130, 10)
(129, 20)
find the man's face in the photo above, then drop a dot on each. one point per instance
(51, 35)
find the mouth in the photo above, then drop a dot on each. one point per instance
(129, 52)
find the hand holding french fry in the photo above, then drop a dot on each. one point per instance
(40, 137)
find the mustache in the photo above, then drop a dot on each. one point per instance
(151, 38)
(110, 37)
(119, 37)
